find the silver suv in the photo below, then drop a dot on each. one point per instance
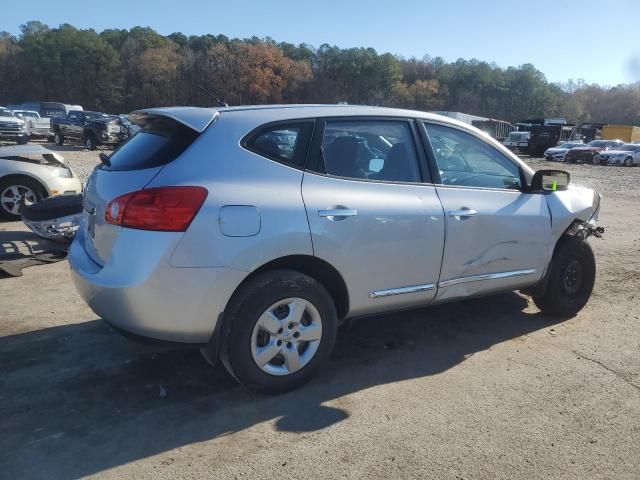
(255, 231)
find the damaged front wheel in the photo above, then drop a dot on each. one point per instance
(571, 278)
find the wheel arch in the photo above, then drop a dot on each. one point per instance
(16, 176)
(316, 268)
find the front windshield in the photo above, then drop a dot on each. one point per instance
(630, 147)
(597, 143)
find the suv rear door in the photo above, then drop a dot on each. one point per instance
(371, 214)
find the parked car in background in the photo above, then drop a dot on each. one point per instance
(12, 128)
(257, 230)
(627, 155)
(34, 172)
(518, 141)
(558, 153)
(38, 127)
(91, 128)
(589, 153)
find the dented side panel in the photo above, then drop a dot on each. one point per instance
(506, 244)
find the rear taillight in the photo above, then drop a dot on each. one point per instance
(167, 209)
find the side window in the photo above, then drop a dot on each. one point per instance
(464, 159)
(284, 143)
(73, 116)
(370, 150)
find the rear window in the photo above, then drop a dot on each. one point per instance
(160, 142)
(286, 143)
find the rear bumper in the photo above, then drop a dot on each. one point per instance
(140, 293)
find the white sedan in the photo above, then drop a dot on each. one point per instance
(558, 153)
(33, 172)
(627, 155)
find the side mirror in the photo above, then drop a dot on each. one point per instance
(550, 181)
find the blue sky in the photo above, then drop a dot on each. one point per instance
(579, 39)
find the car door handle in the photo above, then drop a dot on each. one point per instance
(465, 212)
(338, 213)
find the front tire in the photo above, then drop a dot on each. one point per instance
(58, 139)
(280, 327)
(89, 142)
(628, 162)
(571, 279)
(12, 190)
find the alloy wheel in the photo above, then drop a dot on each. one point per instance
(10, 198)
(286, 336)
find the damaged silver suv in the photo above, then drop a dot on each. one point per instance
(254, 231)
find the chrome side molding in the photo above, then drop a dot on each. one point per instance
(486, 276)
(402, 290)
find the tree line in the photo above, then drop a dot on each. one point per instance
(119, 70)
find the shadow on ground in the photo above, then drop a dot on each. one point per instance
(19, 250)
(78, 399)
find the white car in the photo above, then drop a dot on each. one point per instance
(37, 125)
(558, 153)
(34, 172)
(627, 155)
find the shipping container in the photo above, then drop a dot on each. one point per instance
(626, 133)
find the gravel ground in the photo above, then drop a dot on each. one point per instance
(487, 388)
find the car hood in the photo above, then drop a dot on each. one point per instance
(42, 154)
(11, 120)
(575, 203)
(556, 150)
(102, 119)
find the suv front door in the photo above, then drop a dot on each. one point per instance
(497, 236)
(370, 213)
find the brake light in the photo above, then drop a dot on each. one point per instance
(167, 209)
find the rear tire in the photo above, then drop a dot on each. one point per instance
(571, 279)
(58, 138)
(263, 340)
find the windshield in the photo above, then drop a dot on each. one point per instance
(597, 143)
(568, 145)
(160, 141)
(21, 114)
(630, 147)
(6, 113)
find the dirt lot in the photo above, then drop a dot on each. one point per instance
(489, 388)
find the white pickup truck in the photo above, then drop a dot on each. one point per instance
(37, 126)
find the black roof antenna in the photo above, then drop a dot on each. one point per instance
(220, 102)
